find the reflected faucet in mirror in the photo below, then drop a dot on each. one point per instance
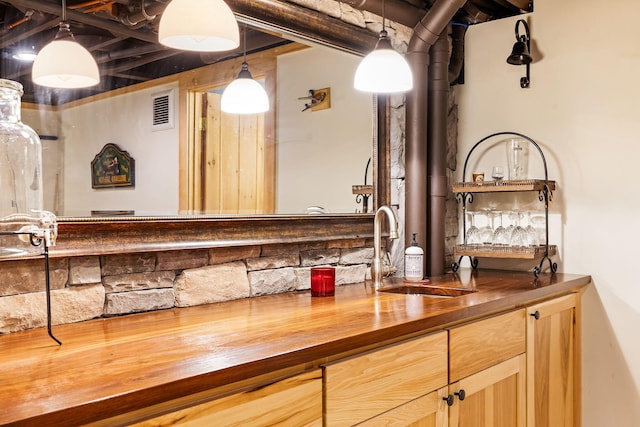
(377, 269)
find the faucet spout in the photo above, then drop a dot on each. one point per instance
(377, 270)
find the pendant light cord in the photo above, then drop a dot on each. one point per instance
(64, 11)
(383, 3)
(244, 44)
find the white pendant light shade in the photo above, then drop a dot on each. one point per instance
(244, 95)
(64, 63)
(383, 70)
(199, 25)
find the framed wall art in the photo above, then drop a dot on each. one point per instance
(112, 167)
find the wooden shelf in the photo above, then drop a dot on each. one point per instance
(494, 251)
(504, 186)
(362, 189)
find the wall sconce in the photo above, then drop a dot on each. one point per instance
(319, 99)
(520, 54)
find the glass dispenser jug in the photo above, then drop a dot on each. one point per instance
(23, 223)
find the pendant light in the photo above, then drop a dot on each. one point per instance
(64, 63)
(199, 25)
(383, 70)
(244, 95)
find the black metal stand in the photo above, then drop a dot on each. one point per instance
(545, 195)
(48, 293)
(38, 241)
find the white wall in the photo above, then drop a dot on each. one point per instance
(124, 120)
(583, 108)
(321, 154)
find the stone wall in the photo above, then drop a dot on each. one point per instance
(101, 286)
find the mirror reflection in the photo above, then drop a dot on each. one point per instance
(294, 159)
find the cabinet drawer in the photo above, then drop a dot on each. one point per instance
(366, 385)
(292, 401)
(479, 345)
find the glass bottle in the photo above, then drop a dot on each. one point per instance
(518, 158)
(20, 176)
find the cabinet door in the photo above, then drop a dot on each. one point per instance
(364, 386)
(553, 363)
(494, 397)
(295, 401)
(426, 411)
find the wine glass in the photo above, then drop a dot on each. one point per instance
(497, 173)
(473, 233)
(538, 222)
(518, 235)
(532, 232)
(486, 231)
(501, 235)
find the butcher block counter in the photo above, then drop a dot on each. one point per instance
(109, 368)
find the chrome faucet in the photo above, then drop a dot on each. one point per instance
(377, 270)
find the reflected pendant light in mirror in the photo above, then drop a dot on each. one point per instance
(199, 25)
(383, 70)
(64, 63)
(244, 95)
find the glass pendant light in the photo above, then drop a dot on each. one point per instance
(199, 25)
(244, 95)
(64, 63)
(383, 70)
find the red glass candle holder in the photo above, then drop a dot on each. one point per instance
(323, 281)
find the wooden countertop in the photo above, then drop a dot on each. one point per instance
(116, 365)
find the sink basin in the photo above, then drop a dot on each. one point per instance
(426, 291)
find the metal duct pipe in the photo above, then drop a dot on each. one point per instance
(302, 23)
(396, 10)
(417, 190)
(146, 13)
(437, 153)
(456, 61)
(415, 153)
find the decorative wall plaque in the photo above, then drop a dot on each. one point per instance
(112, 167)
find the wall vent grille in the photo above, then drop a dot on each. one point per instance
(162, 104)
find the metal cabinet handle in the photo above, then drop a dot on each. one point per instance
(461, 394)
(535, 315)
(449, 400)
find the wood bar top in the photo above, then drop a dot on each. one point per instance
(107, 367)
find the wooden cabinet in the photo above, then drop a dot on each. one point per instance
(401, 385)
(364, 386)
(487, 368)
(553, 363)
(426, 411)
(292, 401)
(493, 397)
(515, 369)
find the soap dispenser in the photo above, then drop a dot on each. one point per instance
(413, 261)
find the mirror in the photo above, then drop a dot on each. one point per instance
(317, 155)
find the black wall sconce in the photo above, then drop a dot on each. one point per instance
(520, 55)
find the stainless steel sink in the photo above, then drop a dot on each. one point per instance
(426, 291)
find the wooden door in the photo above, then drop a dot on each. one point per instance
(553, 364)
(494, 397)
(236, 164)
